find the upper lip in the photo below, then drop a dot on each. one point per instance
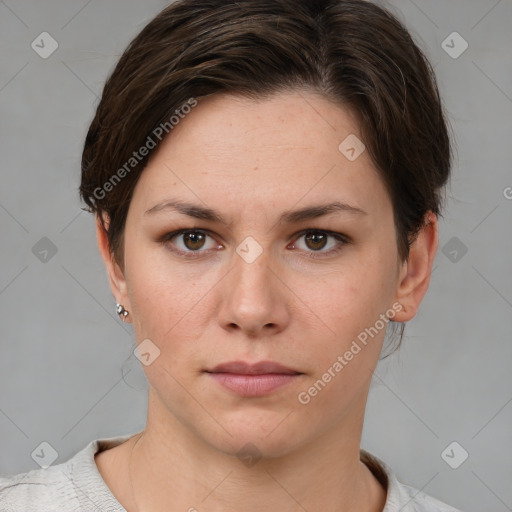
(262, 367)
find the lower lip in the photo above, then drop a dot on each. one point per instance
(254, 385)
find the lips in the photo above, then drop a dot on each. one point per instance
(253, 380)
(260, 368)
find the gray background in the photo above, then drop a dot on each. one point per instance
(64, 352)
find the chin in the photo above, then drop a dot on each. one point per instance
(262, 434)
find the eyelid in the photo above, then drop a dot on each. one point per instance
(334, 234)
(167, 239)
(340, 237)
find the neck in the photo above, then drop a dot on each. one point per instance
(171, 468)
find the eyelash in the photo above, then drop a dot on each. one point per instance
(342, 239)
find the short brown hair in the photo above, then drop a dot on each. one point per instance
(353, 52)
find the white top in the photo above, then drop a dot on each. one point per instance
(77, 486)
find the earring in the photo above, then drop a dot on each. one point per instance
(121, 311)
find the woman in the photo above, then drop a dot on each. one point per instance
(266, 178)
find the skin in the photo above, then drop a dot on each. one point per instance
(251, 161)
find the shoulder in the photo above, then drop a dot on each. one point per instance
(417, 501)
(72, 486)
(41, 490)
(401, 497)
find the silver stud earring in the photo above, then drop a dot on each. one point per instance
(121, 311)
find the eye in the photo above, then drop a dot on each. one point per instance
(189, 241)
(317, 240)
(194, 242)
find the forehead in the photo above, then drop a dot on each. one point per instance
(230, 151)
(283, 122)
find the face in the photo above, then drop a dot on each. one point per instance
(247, 262)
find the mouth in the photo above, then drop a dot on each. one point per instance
(251, 380)
(260, 368)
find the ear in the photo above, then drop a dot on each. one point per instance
(115, 274)
(414, 276)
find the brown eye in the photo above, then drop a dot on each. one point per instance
(316, 240)
(190, 241)
(317, 244)
(193, 240)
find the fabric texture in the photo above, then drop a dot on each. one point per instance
(77, 486)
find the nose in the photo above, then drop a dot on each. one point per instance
(253, 298)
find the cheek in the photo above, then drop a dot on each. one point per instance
(173, 302)
(170, 301)
(349, 305)
(344, 360)
(353, 298)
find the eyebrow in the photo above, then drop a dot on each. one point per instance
(289, 216)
